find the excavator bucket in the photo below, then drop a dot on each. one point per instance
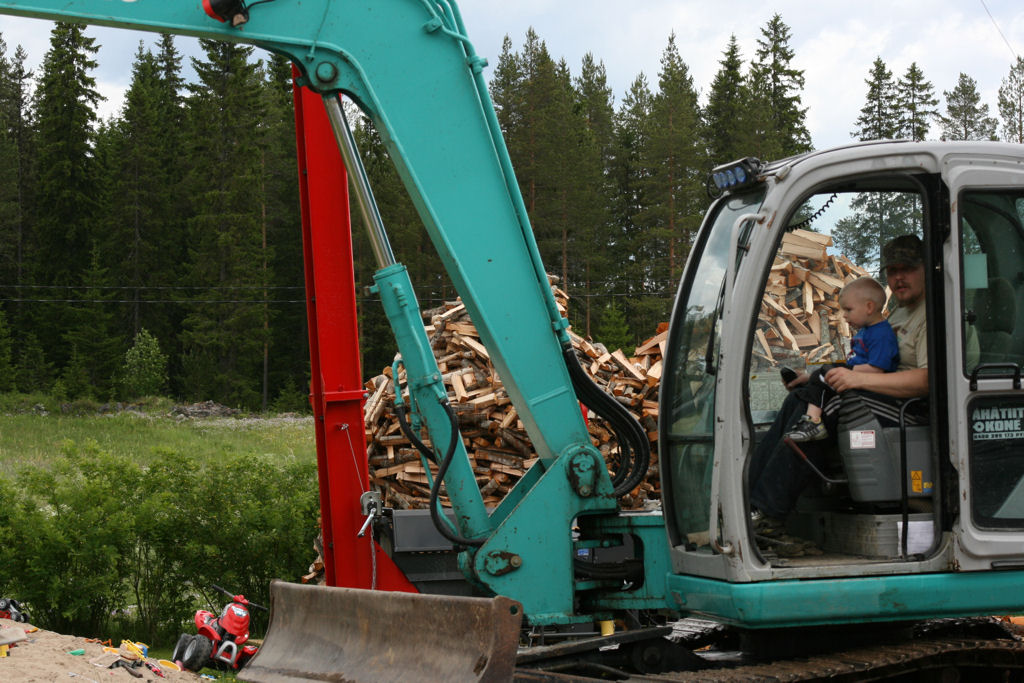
(318, 633)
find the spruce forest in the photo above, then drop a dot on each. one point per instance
(168, 237)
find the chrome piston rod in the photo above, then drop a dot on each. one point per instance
(382, 251)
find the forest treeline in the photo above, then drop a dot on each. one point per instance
(171, 232)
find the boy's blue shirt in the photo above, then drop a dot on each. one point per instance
(875, 345)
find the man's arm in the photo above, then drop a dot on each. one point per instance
(903, 384)
(866, 367)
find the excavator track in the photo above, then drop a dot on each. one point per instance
(874, 663)
(928, 657)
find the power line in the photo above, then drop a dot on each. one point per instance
(996, 24)
(360, 300)
(156, 301)
(157, 287)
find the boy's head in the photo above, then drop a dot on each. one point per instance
(862, 302)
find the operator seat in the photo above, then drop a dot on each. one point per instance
(870, 451)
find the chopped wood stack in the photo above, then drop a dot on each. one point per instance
(495, 438)
(800, 321)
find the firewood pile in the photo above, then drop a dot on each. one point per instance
(800, 321)
(497, 443)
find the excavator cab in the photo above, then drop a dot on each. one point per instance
(928, 492)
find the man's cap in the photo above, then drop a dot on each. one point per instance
(906, 250)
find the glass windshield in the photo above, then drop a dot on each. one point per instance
(698, 335)
(689, 390)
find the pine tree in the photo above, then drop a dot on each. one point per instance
(140, 240)
(890, 110)
(168, 61)
(10, 206)
(612, 331)
(568, 128)
(674, 167)
(775, 87)
(542, 126)
(878, 117)
(91, 333)
(538, 144)
(630, 274)
(916, 104)
(596, 102)
(165, 322)
(6, 355)
(286, 357)
(966, 117)
(674, 157)
(1011, 103)
(505, 89)
(65, 194)
(32, 371)
(223, 332)
(725, 115)
(74, 378)
(876, 218)
(65, 191)
(593, 186)
(20, 117)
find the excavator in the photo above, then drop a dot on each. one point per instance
(920, 527)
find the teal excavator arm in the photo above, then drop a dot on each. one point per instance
(410, 67)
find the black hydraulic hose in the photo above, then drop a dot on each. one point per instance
(633, 443)
(627, 570)
(435, 516)
(403, 423)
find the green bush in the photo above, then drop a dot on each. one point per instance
(107, 547)
(144, 372)
(73, 535)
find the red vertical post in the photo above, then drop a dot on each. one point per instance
(336, 390)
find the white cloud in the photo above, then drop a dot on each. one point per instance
(113, 94)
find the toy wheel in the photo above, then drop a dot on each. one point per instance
(179, 649)
(4, 604)
(23, 617)
(197, 653)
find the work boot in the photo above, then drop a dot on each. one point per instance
(765, 526)
(807, 430)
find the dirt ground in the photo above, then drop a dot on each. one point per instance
(44, 658)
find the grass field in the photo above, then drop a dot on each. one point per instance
(34, 440)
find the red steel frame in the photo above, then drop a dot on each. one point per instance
(336, 390)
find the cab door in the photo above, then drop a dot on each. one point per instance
(984, 282)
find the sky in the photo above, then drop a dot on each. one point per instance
(835, 44)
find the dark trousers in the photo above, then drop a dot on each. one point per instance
(776, 474)
(815, 391)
